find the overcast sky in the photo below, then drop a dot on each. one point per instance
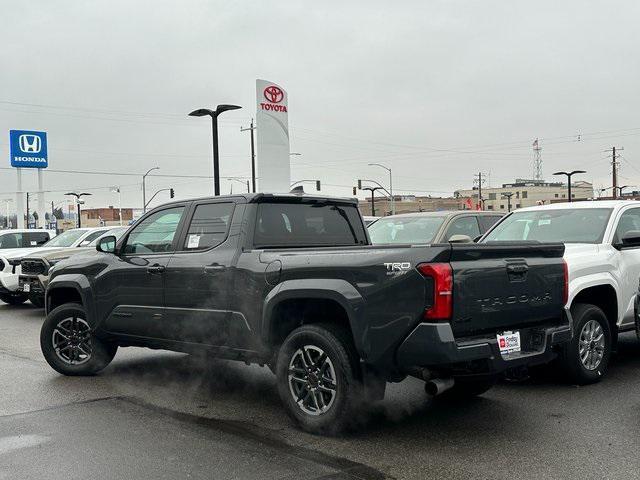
(437, 90)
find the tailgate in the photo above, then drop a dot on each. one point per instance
(506, 286)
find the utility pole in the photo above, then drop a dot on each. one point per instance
(253, 154)
(373, 198)
(27, 209)
(614, 169)
(478, 178)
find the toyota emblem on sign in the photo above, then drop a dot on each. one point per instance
(273, 94)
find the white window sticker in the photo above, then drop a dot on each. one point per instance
(33, 242)
(194, 241)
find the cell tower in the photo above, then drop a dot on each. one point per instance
(537, 161)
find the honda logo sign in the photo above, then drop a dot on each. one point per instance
(28, 149)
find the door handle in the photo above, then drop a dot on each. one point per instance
(214, 269)
(156, 269)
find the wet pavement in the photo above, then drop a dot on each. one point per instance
(157, 414)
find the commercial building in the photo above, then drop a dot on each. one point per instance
(526, 193)
(97, 217)
(410, 203)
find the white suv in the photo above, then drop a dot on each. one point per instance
(602, 241)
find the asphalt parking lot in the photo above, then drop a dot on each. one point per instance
(155, 414)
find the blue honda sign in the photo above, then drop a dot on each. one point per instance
(28, 149)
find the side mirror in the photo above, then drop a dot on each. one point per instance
(106, 244)
(630, 239)
(460, 239)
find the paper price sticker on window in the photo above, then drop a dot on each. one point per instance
(194, 241)
(509, 342)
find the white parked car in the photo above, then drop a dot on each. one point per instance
(602, 252)
(10, 259)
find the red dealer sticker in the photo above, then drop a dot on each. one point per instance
(274, 95)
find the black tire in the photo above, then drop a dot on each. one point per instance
(37, 300)
(100, 352)
(336, 343)
(465, 388)
(13, 298)
(570, 356)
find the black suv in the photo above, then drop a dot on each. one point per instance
(291, 281)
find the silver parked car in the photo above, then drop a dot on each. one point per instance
(432, 227)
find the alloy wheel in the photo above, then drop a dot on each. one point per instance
(71, 340)
(312, 380)
(591, 345)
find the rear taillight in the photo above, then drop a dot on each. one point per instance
(565, 290)
(442, 307)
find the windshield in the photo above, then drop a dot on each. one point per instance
(582, 225)
(116, 232)
(66, 239)
(405, 229)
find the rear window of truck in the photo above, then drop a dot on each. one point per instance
(308, 225)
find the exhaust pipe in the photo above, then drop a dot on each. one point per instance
(438, 386)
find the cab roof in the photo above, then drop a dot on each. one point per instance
(614, 204)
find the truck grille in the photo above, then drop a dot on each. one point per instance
(33, 267)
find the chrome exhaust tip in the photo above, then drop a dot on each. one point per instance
(438, 386)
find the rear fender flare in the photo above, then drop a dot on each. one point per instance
(596, 280)
(337, 290)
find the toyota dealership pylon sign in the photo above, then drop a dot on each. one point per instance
(272, 127)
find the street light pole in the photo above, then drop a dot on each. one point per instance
(373, 198)
(201, 112)
(253, 154)
(144, 188)
(508, 195)
(78, 195)
(620, 190)
(393, 200)
(569, 175)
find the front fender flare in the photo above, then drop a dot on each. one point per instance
(76, 281)
(340, 291)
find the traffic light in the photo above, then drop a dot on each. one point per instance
(318, 185)
(359, 185)
(354, 190)
(171, 193)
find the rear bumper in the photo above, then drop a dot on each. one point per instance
(433, 345)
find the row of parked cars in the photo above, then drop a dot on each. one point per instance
(26, 255)
(299, 284)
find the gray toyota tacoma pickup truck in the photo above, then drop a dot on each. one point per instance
(292, 282)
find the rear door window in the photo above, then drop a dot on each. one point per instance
(308, 224)
(463, 226)
(209, 226)
(35, 239)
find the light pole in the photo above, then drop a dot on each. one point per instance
(7, 201)
(144, 188)
(78, 195)
(569, 174)
(373, 198)
(242, 181)
(202, 112)
(508, 195)
(620, 190)
(117, 190)
(393, 200)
